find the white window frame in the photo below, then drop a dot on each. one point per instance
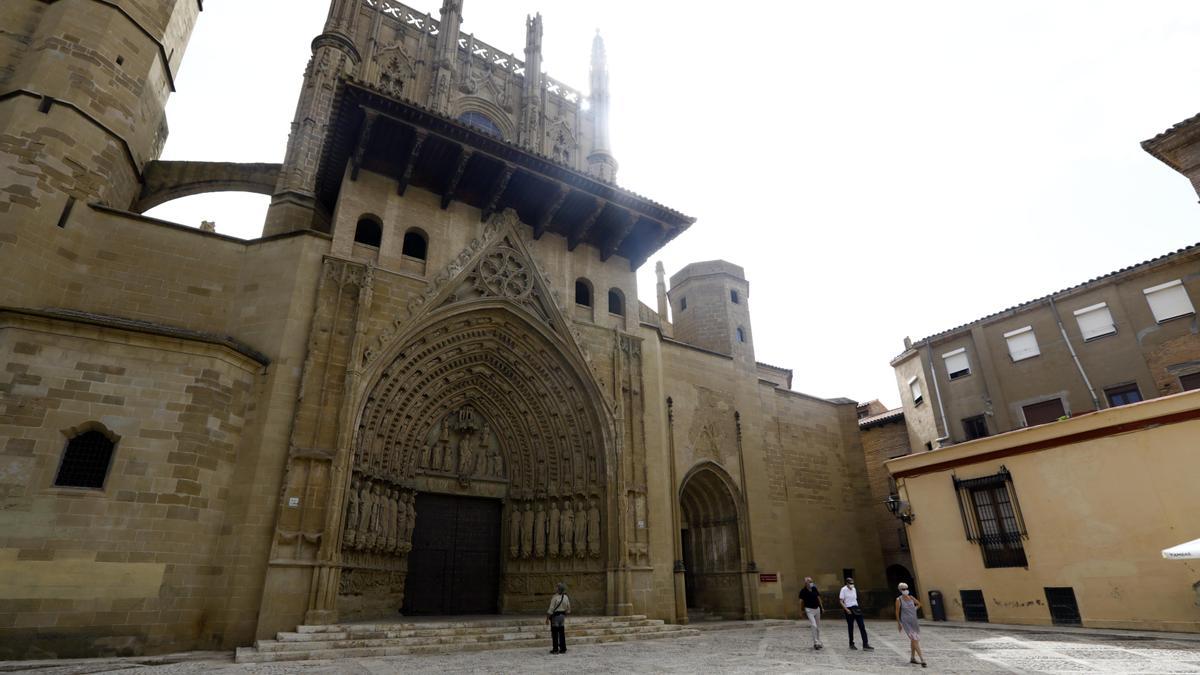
(1170, 304)
(954, 354)
(1025, 352)
(1092, 334)
(914, 388)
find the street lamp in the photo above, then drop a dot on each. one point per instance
(900, 509)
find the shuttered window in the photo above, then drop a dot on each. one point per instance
(1095, 321)
(914, 385)
(1022, 343)
(957, 364)
(1169, 300)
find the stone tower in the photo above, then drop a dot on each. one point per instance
(710, 307)
(334, 54)
(85, 88)
(601, 163)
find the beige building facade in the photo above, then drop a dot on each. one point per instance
(429, 388)
(1063, 523)
(1128, 336)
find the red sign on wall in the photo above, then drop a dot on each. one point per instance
(768, 578)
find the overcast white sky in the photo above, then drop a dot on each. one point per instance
(880, 168)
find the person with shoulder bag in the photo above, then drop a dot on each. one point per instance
(556, 616)
(848, 598)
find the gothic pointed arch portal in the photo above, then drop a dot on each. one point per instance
(486, 397)
(712, 534)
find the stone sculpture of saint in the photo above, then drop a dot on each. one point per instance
(412, 519)
(567, 528)
(377, 535)
(593, 531)
(527, 531)
(389, 524)
(539, 532)
(466, 455)
(352, 508)
(514, 531)
(401, 520)
(366, 501)
(552, 536)
(581, 530)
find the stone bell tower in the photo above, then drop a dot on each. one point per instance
(83, 91)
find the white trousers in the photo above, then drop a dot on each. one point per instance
(814, 618)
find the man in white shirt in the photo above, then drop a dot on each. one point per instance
(848, 597)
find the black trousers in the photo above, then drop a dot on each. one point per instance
(862, 627)
(558, 636)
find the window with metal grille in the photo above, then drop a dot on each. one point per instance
(975, 427)
(974, 606)
(1064, 610)
(85, 461)
(992, 518)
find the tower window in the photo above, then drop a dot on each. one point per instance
(583, 292)
(682, 304)
(85, 461)
(368, 232)
(416, 244)
(733, 296)
(741, 334)
(616, 302)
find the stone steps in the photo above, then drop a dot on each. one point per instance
(397, 639)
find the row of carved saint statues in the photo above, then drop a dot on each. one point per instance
(379, 518)
(556, 530)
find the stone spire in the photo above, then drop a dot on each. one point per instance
(662, 294)
(445, 56)
(293, 206)
(601, 163)
(533, 91)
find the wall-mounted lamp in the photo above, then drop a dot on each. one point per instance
(900, 509)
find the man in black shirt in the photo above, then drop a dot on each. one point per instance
(810, 601)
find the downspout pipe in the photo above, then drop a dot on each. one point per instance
(937, 396)
(1074, 356)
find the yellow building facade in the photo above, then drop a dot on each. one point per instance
(1063, 523)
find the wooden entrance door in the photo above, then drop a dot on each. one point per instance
(454, 566)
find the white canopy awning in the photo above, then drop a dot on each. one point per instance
(1190, 550)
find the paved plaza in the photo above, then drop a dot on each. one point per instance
(761, 647)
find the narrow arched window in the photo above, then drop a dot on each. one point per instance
(416, 244)
(583, 292)
(741, 334)
(85, 461)
(368, 232)
(616, 302)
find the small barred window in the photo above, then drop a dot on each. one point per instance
(85, 461)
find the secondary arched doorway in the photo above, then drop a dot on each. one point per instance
(711, 540)
(479, 473)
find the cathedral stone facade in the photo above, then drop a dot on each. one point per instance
(429, 388)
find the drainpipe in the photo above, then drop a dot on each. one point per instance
(1071, 348)
(937, 396)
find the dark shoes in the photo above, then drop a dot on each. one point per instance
(868, 648)
(554, 651)
(852, 646)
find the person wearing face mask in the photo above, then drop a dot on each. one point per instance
(810, 601)
(848, 598)
(906, 621)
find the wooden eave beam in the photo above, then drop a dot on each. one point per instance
(410, 162)
(586, 226)
(448, 195)
(543, 221)
(614, 242)
(497, 191)
(360, 146)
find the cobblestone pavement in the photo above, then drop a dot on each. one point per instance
(763, 648)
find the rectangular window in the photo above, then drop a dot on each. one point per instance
(1064, 610)
(1044, 412)
(1169, 300)
(1095, 321)
(682, 303)
(1122, 395)
(957, 364)
(733, 296)
(992, 518)
(1190, 382)
(1022, 343)
(975, 427)
(914, 386)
